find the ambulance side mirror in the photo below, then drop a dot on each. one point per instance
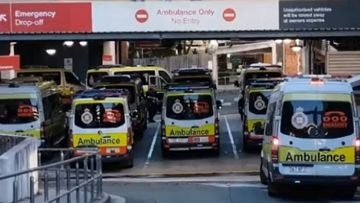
(134, 114)
(218, 104)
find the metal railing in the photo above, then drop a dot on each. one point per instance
(64, 178)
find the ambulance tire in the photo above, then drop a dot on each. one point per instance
(145, 125)
(216, 152)
(348, 192)
(273, 190)
(164, 152)
(130, 160)
(263, 178)
(246, 147)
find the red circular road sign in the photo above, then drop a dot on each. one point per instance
(229, 14)
(141, 15)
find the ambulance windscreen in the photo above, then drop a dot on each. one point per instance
(18, 111)
(189, 107)
(99, 115)
(317, 119)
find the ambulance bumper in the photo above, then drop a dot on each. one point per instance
(279, 179)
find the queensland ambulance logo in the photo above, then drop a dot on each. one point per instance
(87, 117)
(299, 120)
(259, 104)
(177, 107)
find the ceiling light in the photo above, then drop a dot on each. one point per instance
(69, 43)
(51, 52)
(287, 41)
(296, 48)
(83, 43)
(278, 41)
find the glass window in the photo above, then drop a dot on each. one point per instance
(258, 102)
(71, 78)
(47, 76)
(144, 75)
(18, 111)
(257, 75)
(165, 76)
(130, 88)
(99, 115)
(188, 107)
(317, 119)
(93, 78)
(52, 105)
(270, 119)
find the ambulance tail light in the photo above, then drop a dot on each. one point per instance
(357, 150)
(275, 149)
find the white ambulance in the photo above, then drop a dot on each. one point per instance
(311, 136)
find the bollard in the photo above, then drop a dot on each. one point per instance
(57, 187)
(68, 183)
(85, 178)
(15, 190)
(32, 195)
(98, 160)
(39, 158)
(77, 182)
(92, 181)
(46, 186)
(62, 158)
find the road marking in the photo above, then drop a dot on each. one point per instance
(236, 155)
(227, 104)
(232, 185)
(231, 180)
(152, 146)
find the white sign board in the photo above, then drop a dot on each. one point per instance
(114, 16)
(68, 64)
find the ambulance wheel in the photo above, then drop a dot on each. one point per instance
(145, 125)
(348, 192)
(246, 147)
(263, 179)
(130, 160)
(216, 152)
(165, 152)
(273, 190)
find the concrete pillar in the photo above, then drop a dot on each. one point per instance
(124, 50)
(109, 53)
(215, 69)
(274, 53)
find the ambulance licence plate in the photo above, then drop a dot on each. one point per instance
(200, 139)
(112, 150)
(299, 169)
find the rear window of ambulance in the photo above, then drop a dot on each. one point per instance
(46, 76)
(99, 115)
(317, 119)
(189, 107)
(18, 111)
(93, 78)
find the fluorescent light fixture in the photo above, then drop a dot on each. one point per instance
(278, 41)
(296, 49)
(69, 43)
(287, 41)
(83, 43)
(51, 52)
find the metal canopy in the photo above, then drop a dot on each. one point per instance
(184, 35)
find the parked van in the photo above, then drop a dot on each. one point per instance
(101, 119)
(137, 100)
(66, 80)
(190, 119)
(33, 109)
(311, 136)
